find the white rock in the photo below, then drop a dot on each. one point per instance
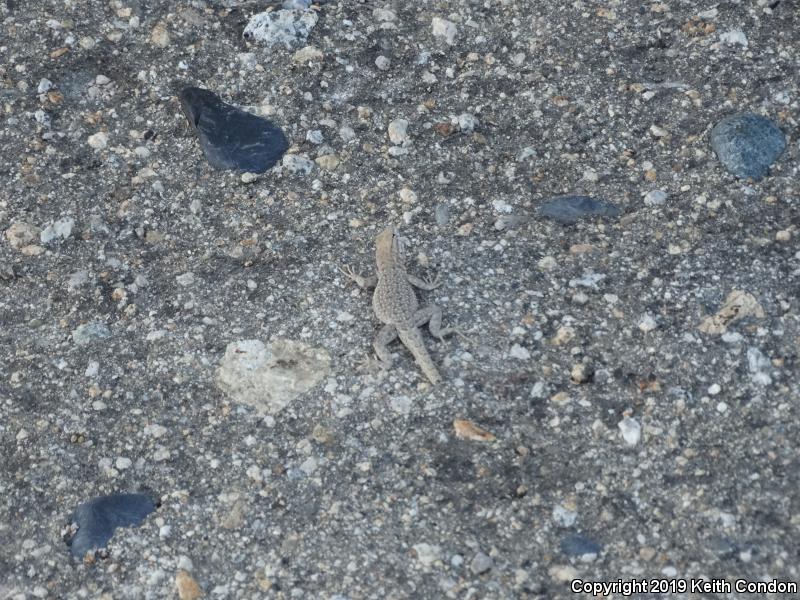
(285, 27)
(407, 195)
(347, 133)
(269, 377)
(98, 140)
(733, 37)
(631, 430)
(756, 364)
(655, 197)
(647, 323)
(295, 163)
(468, 122)
(564, 516)
(519, 352)
(383, 63)
(714, 389)
(123, 463)
(384, 14)
(427, 554)
(59, 229)
(445, 29)
(185, 279)
(501, 206)
(398, 131)
(45, 85)
(92, 369)
(315, 136)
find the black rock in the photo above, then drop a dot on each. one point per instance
(99, 517)
(578, 545)
(232, 138)
(747, 144)
(568, 209)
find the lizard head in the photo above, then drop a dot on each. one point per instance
(389, 247)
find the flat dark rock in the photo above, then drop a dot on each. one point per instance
(569, 209)
(232, 138)
(747, 144)
(99, 517)
(578, 545)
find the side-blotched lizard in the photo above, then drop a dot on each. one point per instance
(395, 304)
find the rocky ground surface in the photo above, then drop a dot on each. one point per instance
(634, 375)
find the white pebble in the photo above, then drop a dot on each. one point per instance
(398, 131)
(631, 430)
(99, 140)
(714, 389)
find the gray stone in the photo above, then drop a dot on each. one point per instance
(87, 333)
(60, 229)
(747, 144)
(569, 209)
(481, 563)
(232, 138)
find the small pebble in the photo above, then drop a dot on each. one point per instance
(655, 198)
(631, 430)
(398, 131)
(481, 563)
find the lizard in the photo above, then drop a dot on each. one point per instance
(395, 304)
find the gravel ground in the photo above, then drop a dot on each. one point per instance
(636, 376)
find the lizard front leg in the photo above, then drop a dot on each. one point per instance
(424, 284)
(361, 281)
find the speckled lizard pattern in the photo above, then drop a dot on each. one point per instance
(395, 304)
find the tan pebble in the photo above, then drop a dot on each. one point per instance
(465, 229)
(21, 234)
(581, 248)
(738, 305)
(32, 250)
(560, 398)
(581, 373)
(784, 235)
(467, 430)
(55, 97)
(563, 335)
(159, 36)
(407, 195)
(188, 588)
(650, 175)
(547, 263)
(306, 55)
(329, 162)
(563, 573)
(322, 435)
(647, 553)
(59, 52)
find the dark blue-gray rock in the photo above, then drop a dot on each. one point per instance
(97, 519)
(577, 545)
(568, 209)
(232, 138)
(747, 144)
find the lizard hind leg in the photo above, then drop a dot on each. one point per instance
(432, 315)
